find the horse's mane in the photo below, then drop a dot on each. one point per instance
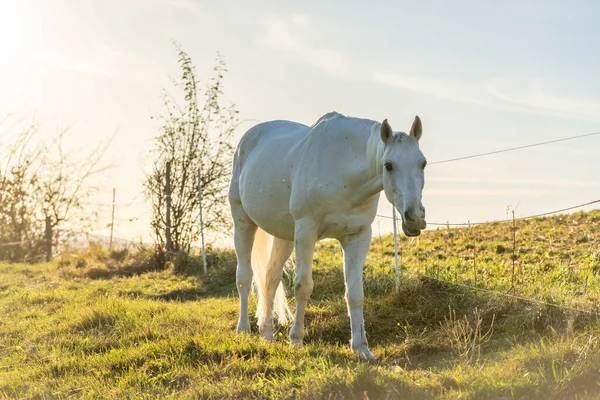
(375, 150)
(326, 117)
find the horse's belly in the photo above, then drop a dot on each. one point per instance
(265, 194)
(278, 223)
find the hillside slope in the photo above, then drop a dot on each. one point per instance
(115, 325)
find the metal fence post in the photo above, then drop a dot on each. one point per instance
(168, 240)
(112, 220)
(201, 221)
(396, 249)
(48, 239)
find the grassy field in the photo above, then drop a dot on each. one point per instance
(112, 325)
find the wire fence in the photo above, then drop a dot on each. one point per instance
(429, 274)
(510, 262)
(427, 264)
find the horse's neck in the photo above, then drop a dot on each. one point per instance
(367, 189)
(367, 170)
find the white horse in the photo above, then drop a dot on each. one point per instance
(293, 185)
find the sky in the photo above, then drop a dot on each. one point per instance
(482, 76)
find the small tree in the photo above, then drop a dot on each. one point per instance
(196, 136)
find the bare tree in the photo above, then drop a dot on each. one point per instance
(195, 136)
(44, 182)
(64, 184)
(19, 237)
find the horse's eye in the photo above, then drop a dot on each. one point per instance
(424, 164)
(389, 166)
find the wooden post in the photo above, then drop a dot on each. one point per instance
(201, 221)
(396, 249)
(168, 240)
(48, 239)
(112, 222)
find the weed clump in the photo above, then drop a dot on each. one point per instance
(100, 263)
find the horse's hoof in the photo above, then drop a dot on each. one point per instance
(268, 336)
(266, 331)
(243, 329)
(297, 336)
(364, 353)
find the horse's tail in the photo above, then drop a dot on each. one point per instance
(261, 252)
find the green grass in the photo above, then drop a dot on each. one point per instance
(112, 325)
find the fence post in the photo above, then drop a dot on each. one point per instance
(473, 252)
(48, 239)
(112, 221)
(201, 220)
(169, 242)
(514, 230)
(396, 249)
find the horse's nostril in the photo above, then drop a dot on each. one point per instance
(408, 216)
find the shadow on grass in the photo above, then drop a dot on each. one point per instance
(414, 322)
(98, 263)
(215, 284)
(413, 317)
(219, 281)
(102, 264)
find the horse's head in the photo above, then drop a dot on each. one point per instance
(403, 175)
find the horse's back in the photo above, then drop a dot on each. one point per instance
(270, 136)
(281, 135)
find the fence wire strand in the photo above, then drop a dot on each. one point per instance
(504, 220)
(512, 148)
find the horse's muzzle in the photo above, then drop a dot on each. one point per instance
(414, 228)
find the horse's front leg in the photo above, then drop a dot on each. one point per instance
(355, 253)
(305, 237)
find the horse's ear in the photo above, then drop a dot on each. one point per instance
(386, 131)
(416, 130)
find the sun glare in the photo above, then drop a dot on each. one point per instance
(17, 32)
(20, 33)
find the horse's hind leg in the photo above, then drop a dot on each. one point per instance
(282, 249)
(244, 232)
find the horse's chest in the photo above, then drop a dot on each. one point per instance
(339, 225)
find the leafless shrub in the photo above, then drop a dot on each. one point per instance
(39, 182)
